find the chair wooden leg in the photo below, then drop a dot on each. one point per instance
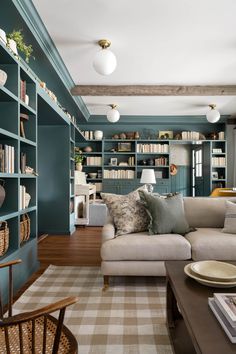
(105, 282)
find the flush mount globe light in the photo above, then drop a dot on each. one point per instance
(213, 115)
(104, 62)
(113, 115)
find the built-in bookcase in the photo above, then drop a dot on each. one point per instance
(13, 145)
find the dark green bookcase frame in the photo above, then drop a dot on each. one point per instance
(44, 114)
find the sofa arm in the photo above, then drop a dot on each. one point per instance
(108, 231)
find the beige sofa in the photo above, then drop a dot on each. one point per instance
(142, 254)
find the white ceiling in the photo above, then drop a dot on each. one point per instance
(155, 41)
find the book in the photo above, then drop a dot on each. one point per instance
(229, 330)
(227, 304)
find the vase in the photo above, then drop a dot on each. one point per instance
(98, 134)
(13, 46)
(2, 192)
(3, 77)
(79, 166)
(136, 135)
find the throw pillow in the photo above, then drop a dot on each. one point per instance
(166, 214)
(129, 215)
(230, 218)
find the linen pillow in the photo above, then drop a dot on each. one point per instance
(230, 218)
(129, 215)
(166, 214)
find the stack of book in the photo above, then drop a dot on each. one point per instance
(223, 306)
(151, 148)
(23, 201)
(218, 161)
(7, 158)
(94, 161)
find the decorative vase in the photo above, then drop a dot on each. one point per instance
(136, 135)
(98, 134)
(3, 77)
(3, 37)
(88, 149)
(13, 46)
(79, 166)
(2, 192)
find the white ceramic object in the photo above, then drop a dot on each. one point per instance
(13, 46)
(27, 199)
(98, 134)
(27, 100)
(215, 284)
(3, 37)
(214, 270)
(92, 175)
(3, 77)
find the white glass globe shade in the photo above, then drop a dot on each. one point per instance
(104, 62)
(113, 115)
(213, 116)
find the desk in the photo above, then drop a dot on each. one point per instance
(85, 191)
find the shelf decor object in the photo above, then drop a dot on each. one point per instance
(113, 115)
(213, 115)
(105, 61)
(24, 228)
(3, 77)
(98, 134)
(2, 192)
(148, 178)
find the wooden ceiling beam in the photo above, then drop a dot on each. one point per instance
(153, 90)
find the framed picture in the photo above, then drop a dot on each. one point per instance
(113, 161)
(166, 134)
(158, 174)
(124, 147)
(214, 175)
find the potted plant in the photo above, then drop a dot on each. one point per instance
(79, 158)
(18, 38)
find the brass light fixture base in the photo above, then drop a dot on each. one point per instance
(212, 106)
(104, 43)
(113, 105)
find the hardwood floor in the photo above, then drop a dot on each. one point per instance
(80, 249)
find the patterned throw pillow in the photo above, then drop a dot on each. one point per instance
(230, 218)
(128, 214)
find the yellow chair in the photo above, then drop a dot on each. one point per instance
(223, 192)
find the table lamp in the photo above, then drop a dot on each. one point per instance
(148, 178)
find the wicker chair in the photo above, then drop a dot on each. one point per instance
(35, 332)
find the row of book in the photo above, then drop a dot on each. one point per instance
(131, 161)
(24, 202)
(190, 135)
(94, 160)
(158, 148)
(161, 161)
(88, 134)
(7, 158)
(218, 161)
(119, 174)
(223, 306)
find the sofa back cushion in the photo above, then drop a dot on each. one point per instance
(206, 211)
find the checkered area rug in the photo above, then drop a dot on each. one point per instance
(128, 318)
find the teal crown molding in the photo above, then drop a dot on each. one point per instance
(140, 120)
(30, 15)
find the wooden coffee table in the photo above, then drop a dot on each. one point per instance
(193, 328)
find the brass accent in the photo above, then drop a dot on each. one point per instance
(104, 43)
(212, 106)
(113, 105)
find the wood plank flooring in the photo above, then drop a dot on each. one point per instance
(82, 248)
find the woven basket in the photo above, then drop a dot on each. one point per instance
(24, 228)
(4, 237)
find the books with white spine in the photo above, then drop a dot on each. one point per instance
(227, 304)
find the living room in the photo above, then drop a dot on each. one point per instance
(118, 173)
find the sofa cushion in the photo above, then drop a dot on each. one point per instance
(205, 211)
(230, 218)
(211, 243)
(142, 247)
(166, 214)
(128, 214)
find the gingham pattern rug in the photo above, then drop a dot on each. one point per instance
(128, 318)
